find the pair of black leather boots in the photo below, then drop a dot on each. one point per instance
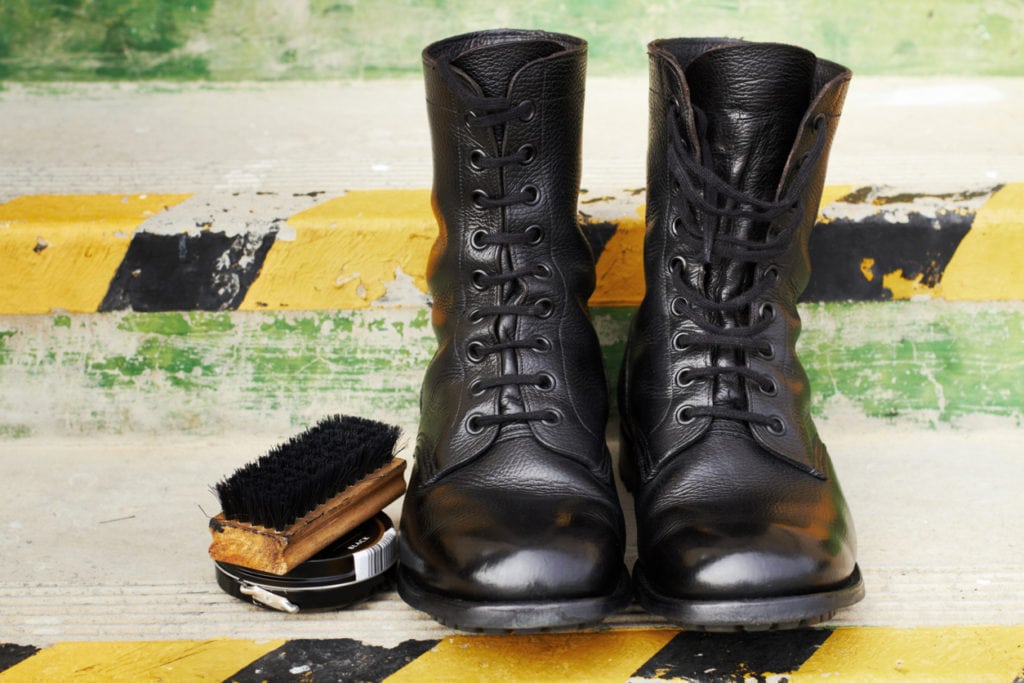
(512, 520)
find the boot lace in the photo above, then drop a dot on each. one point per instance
(495, 112)
(704, 201)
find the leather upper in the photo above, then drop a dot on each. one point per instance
(498, 507)
(650, 395)
(735, 494)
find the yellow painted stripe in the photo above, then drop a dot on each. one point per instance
(976, 654)
(989, 263)
(595, 657)
(61, 251)
(346, 251)
(181, 660)
(832, 193)
(620, 279)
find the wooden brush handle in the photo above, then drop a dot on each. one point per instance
(278, 552)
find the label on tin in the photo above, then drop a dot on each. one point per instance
(378, 558)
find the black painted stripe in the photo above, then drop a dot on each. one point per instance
(728, 657)
(207, 272)
(598, 233)
(342, 659)
(11, 654)
(922, 246)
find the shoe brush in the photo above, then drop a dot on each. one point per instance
(283, 508)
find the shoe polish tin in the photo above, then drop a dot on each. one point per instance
(350, 569)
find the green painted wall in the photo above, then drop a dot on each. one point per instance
(227, 40)
(920, 364)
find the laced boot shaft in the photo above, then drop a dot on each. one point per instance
(740, 519)
(510, 272)
(511, 519)
(725, 261)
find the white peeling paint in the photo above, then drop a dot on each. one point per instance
(927, 206)
(232, 214)
(402, 291)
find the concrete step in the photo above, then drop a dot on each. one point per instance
(109, 535)
(113, 424)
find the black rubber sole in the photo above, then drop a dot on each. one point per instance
(495, 617)
(761, 614)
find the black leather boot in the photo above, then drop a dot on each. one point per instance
(511, 519)
(740, 519)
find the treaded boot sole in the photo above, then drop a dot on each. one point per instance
(541, 615)
(762, 614)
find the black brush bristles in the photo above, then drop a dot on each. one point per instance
(295, 477)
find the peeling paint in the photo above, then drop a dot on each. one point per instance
(933, 364)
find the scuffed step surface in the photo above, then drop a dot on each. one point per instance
(110, 535)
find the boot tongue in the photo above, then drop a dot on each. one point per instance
(752, 97)
(492, 66)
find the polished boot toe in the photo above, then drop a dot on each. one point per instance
(728, 536)
(496, 533)
(514, 542)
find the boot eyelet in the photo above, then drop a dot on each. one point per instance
(677, 342)
(769, 388)
(767, 352)
(542, 344)
(676, 226)
(677, 262)
(766, 311)
(534, 235)
(772, 273)
(553, 417)
(477, 278)
(543, 271)
(529, 110)
(532, 195)
(474, 316)
(470, 118)
(683, 378)
(475, 351)
(673, 103)
(685, 415)
(477, 239)
(473, 425)
(477, 197)
(677, 186)
(777, 426)
(547, 382)
(528, 153)
(475, 157)
(818, 122)
(679, 306)
(544, 308)
(476, 389)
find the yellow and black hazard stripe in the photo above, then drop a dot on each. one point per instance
(965, 653)
(310, 251)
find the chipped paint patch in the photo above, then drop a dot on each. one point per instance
(347, 252)
(935, 364)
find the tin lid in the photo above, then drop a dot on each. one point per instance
(348, 570)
